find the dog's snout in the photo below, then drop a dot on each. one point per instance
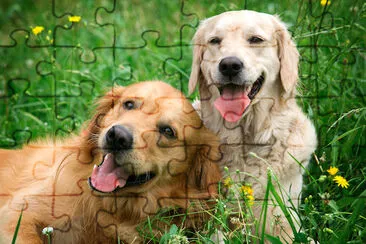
(119, 138)
(230, 66)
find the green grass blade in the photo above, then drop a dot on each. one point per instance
(264, 210)
(32, 117)
(282, 206)
(345, 134)
(17, 228)
(358, 110)
(358, 208)
(273, 239)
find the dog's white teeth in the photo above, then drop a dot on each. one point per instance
(95, 166)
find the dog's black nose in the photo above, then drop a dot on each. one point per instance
(230, 66)
(118, 138)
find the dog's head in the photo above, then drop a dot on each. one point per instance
(150, 135)
(243, 56)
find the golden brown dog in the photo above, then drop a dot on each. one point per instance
(246, 66)
(152, 152)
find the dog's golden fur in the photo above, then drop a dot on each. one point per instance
(48, 179)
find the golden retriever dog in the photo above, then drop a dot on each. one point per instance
(246, 67)
(152, 152)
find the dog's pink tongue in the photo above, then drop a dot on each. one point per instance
(232, 104)
(108, 176)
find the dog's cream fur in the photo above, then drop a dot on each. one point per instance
(273, 126)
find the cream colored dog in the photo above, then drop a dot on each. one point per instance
(246, 66)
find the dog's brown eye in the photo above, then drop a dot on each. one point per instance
(129, 105)
(255, 39)
(167, 131)
(215, 40)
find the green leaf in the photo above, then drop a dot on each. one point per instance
(173, 229)
(301, 237)
(333, 205)
(273, 239)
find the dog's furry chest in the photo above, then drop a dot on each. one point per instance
(238, 148)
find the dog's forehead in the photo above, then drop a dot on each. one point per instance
(244, 21)
(159, 97)
(173, 108)
(151, 89)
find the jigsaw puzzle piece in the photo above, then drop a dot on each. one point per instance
(20, 105)
(17, 23)
(346, 94)
(28, 58)
(77, 38)
(143, 24)
(16, 106)
(105, 70)
(82, 27)
(154, 59)
(15, 139)
(62, 160)
(177, 67)
(110, 222)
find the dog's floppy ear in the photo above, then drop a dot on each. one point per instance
(198, 45)
(288, 56)
(104, 104)
(205, 173)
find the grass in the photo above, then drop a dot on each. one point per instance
(17, 228)
(47, 87)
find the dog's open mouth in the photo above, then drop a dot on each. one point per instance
(235, 99)
(108, 176)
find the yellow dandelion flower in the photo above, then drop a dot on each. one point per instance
(247, 190)
(324, 2)
(250, 200)
(228, 182)
(38, 29)
(342, 182)
(74, 18)
(333, 170)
